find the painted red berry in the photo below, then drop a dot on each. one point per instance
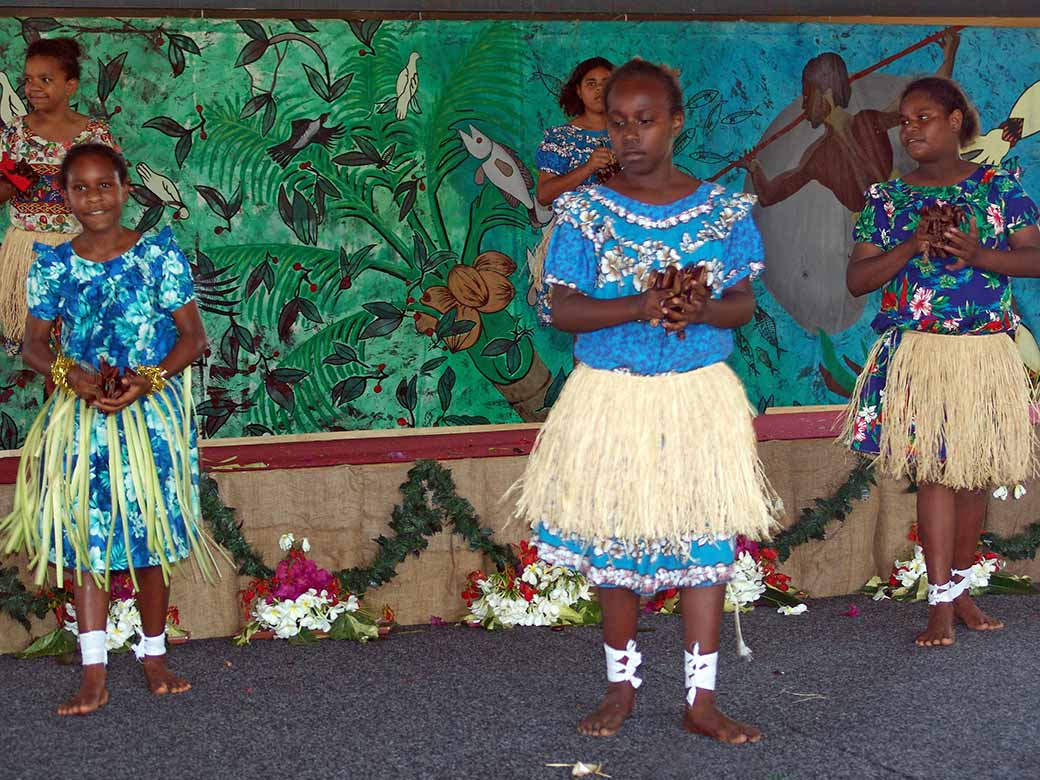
(117, 109)
(344, 283)
(381, 366)
(362, 52)
(296, 266)
(274, 260)
(305, 166)
(218, 230)
(276, 353)
(377, 389)
(198, 109)
(20, 382)
(159, 41)
(401, 421)
(314, 288)
(422, 186)
(202, 135)
(410, 299)
(209, 353)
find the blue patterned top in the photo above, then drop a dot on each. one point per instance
(924, 295)
(605, 246)
(119, 310)
(566, 147)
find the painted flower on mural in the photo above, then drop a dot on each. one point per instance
(472, 290)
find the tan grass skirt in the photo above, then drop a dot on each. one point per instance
(16, 258)
(955, 410)
(648, 457)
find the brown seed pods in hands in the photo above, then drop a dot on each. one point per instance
(935, 221)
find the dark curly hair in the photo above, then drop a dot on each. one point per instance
(951, 97)
(65, 50)
(638, 68)
(570, 101)
(94, 150)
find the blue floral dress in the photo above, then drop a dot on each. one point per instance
(121, 311)
(924, 295)
(605, 246)
(566, 147)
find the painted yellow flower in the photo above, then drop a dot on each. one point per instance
(472, 290)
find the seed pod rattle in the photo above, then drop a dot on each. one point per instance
(680, 282)
(937, 220)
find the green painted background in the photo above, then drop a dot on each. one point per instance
(312, 275)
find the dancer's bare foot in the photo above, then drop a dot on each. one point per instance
(612, 712)
(160, 679)
(939, 632)
(704, 718)
(92, 696)
(967, 611)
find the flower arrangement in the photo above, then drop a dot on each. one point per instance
(122, 627)
(301, 602)
(532, 594)
(908, 580)
(755, 578)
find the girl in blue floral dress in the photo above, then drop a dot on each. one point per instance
(647, 466)
(572, 156)
(108, 479)
(944, 397)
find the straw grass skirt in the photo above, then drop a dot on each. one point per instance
(951, 410)
(646, 474)
(16, 258)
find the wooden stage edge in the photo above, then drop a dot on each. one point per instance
(358, 448)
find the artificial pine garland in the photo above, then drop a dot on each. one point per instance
(814, 520)
(1017, 547)
(227, 532)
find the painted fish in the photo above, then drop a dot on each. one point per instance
(502, 167)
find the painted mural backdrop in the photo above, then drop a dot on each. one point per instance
(356, 197)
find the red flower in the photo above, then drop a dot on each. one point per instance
(778, 580)
(912, 536)
(987, 177)
(528, 554)
(173, 615)
(996, 325)
(889, 300)
(527, 591)
(769, 553)
(893, 579)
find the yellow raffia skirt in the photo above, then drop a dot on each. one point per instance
(950, 410)
(634, 457)
(16, 258)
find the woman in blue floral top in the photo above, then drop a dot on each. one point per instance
(108, 478)
(944, 397)
(647, 467)
(572, 156)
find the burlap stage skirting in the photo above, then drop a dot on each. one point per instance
(342, 509)
(16, 258)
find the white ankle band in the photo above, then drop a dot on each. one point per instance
(949, 590)
(701, 670)
(622, 664)
(150, 645)
(92, 648)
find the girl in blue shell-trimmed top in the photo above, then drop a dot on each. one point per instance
(646, 468)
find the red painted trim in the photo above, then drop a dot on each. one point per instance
(487, 442)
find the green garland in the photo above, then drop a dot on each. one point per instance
(429, 500)
(17, 602)
(227, 532)
(1017, 547)
(814, 520)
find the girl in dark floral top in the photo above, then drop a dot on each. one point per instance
(944, 397)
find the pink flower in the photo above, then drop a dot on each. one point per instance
(890, 208)
(859, 431)
(746, 545)
(921, 303)
(852, 611)
(995, 218)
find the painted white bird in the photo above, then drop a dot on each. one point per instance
(1023, 121)
(408, 87)
(10, 104)
(502, 167)
(162, 188)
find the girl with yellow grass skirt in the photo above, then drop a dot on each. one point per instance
(40, 140)
(108, 479)
(646, 468)
(944, 397)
